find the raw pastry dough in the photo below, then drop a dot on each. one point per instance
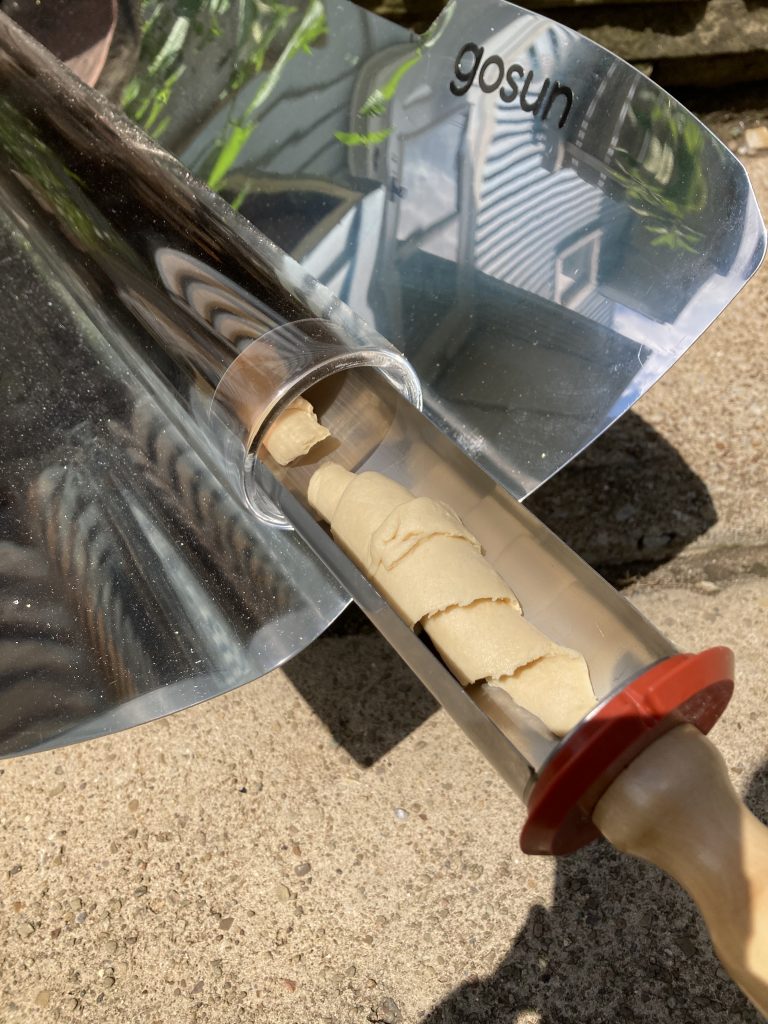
(295, 431)
(431, 569)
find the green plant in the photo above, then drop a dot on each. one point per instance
(172, 33)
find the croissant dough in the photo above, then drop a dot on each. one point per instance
(431, 569)
(294, 433)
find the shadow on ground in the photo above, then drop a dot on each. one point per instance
(626, 505)
(621, 943)
(356, 684)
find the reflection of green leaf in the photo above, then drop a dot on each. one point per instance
(171, 47)
(667, 186)
(302, 42)
(376, 103)
(236, 139)
(255, 37)
(130, 92)
(363, 138)
(160, 129)
(676, 240)
(161, 97)
(310, 28)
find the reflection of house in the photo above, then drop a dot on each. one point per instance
(538, 229)
(508, 256)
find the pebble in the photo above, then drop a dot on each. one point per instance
(625, 513)
(303, 869)
(226, 923)
(69, 1004)
(108, 981)
(24, 930)
(686, 945)
(43, 998)
(133, 805)
(111, 946)
(387, 1012)
(651, 542)
(401, 814)
(57, 789)
(282, 892)
(289, 984)
(708, 587)
(756, 138)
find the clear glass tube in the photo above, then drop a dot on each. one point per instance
(559, 593)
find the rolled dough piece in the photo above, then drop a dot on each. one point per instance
(431, 569)
(416, 550)
(361, 508)
(487, 640)
(439, 573)
(326, 486)
(409, 524)
(294, 433)
(564, 673)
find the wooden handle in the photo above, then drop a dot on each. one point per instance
(674, 806)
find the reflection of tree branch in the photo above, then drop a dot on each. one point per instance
(669, 186)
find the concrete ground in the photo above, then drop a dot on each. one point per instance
(258, 859)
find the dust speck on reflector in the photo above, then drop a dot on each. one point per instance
(401, 814)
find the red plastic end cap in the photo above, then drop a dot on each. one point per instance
(692, 688)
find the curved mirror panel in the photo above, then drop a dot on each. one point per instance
(540, 229)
